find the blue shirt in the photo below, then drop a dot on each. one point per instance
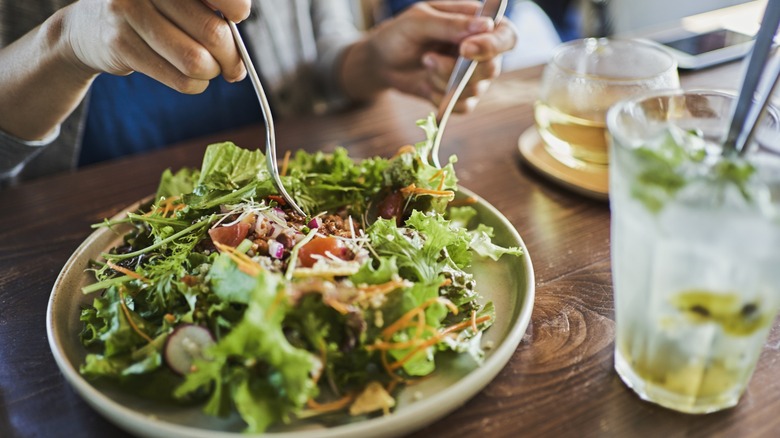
(132, 114)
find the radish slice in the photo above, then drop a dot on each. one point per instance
(184, 345)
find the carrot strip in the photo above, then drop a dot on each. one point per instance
(405, 149)
(466, 201)
(335, 405)
(400, 323)
(435, 339)
(166, 206)
(244, 262)
(126, 271)
(390, 372)
(412, 189)
(438, 173)
(129, 318)
(394, 327)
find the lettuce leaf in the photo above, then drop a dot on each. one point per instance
(257, 342)
(228, 167)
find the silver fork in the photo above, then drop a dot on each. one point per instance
(460, 76)
(270, 134)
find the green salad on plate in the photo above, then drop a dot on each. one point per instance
(221, 295)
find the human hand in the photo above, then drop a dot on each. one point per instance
(417, 50)
(182, 44)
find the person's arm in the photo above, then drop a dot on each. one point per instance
(45, 74)
(41, 81)
(413, 52)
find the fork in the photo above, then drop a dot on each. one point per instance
(460, 76)
(270, 134)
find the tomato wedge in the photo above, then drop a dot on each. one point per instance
(231, 235)
(319, 246)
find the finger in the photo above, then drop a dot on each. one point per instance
(234, 10)
(210, 31)
(140, 57)
(457, 6)
(488, 45)
(170, 42)
(428, 23)
(487, 70)
(439, 69)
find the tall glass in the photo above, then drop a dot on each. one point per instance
(695, 249)
(582, 80)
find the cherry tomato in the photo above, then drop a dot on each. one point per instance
(230, 236)
(320, 246)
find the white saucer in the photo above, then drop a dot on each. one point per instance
(588, 180)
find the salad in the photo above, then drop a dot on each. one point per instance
(221, 296)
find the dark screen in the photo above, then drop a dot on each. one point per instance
(707, 42)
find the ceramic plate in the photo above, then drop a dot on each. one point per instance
(509, 283)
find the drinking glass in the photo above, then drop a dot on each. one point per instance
(695, 252)
(582, 80)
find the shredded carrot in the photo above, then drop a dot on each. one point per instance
(382, 345)
(126, 271)
(445, 283)
(244, 262)
(384, 288)
(169, 317)
(442, 175)
(466, 201)
(400, 323)
(336, 305)
(429, 342)
(390, 371)
(129, 318)
(391, 386)
(438, 173)
(335, 405)
(412, 189)
(166, 206)
(435, 339)
(285, 163)
(403, 320)
(405, 149)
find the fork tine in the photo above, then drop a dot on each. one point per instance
(270, 133)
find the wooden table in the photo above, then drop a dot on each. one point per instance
(560, 381)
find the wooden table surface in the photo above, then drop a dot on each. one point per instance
(559, 382)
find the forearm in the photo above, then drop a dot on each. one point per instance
(41, 82)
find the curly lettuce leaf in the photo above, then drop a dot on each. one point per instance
(325, 182)
(228, 167)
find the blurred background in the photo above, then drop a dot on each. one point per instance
(543, 24)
